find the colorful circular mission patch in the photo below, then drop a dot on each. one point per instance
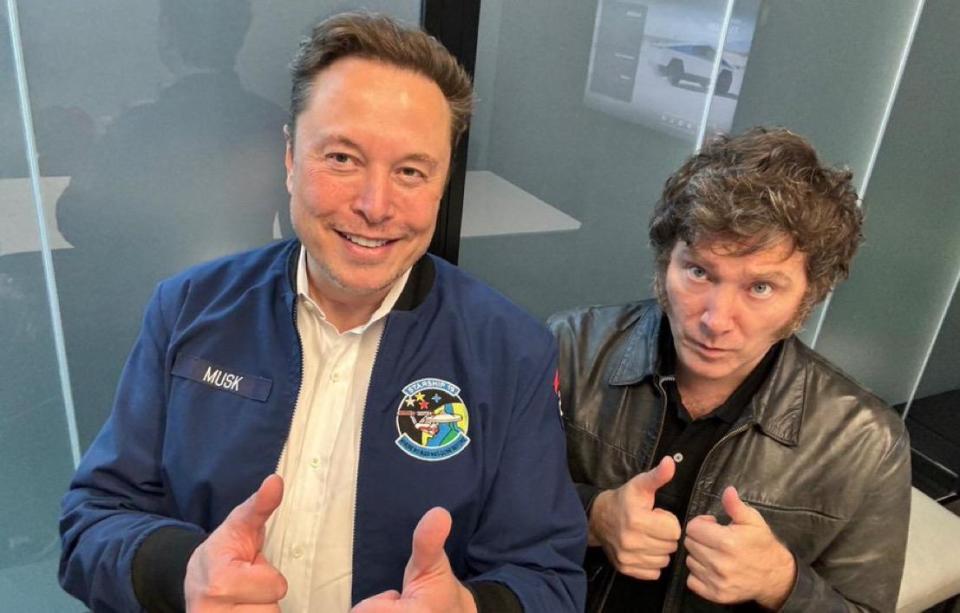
(432, 420)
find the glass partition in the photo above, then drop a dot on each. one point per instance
(582, 113)
(35, 452)
(882, 322)
(159, 129)
(158, 133)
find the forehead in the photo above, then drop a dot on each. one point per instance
(365, 84)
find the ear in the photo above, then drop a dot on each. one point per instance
(288, 156)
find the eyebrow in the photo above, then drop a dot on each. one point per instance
(776, 277)
(692, 257)
(339, 139)
(422, 158)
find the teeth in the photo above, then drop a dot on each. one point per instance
(363, 242)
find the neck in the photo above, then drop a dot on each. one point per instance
(702, 396)
(346, 315)
(346, 311)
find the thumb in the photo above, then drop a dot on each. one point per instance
(254, 512)
(739, 511)
(428, 539)
(647, 484)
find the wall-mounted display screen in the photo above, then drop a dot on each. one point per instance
(651, 61)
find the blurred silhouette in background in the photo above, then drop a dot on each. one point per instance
(192, 175)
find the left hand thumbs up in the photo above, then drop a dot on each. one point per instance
(428, 557)
(739, 511)
(429, 585)
(740, 561)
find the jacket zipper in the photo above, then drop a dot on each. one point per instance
(299, 386)
(681, 551)
(363, 419)
(376, 352)
(656, 443)
(663, 417)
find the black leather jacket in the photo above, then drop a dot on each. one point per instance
(826, 462)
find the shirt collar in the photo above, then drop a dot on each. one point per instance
(303, 291)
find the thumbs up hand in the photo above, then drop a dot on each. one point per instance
(228, 569)
(429, 585)
(740, 561)
(637, 538)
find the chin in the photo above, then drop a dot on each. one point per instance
(708, 370)
(362, 284)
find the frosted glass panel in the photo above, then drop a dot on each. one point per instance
(882, 322)
(35, 461)
(580, 121)
(160, 125)
(826, 69)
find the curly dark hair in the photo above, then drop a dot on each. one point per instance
(381, 38)
(752, 190)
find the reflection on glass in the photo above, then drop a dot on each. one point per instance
(186, 176)
(651, 62)
(558, 156)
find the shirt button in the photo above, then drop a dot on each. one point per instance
(297, 552)
(315, 462)
(678, 457)
(335, 377)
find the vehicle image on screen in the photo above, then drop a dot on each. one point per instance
(692, 63)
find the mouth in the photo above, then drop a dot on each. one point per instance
(365, 242)
(707, 349)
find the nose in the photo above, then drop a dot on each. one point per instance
(719, 311)
(373, 202)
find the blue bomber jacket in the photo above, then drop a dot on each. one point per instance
(206, 400)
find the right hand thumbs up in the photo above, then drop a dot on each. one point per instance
(228, 568)
(642, 489)
(637, 537)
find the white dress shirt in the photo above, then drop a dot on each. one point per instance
(309, 538)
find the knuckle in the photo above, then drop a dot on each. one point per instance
(216, 587)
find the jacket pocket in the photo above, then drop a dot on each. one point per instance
(806, 532)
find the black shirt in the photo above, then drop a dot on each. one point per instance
(689, 441)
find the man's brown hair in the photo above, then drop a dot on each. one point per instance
(752, 190)
(380, 38)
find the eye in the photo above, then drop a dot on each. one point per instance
(338, 158)
(410, 174)
(696, 273)
(761, 289)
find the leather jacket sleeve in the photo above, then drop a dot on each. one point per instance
(862, 568)
(568, 368)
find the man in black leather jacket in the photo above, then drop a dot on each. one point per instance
(722, 463)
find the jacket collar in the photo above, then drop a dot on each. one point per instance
(777, 407)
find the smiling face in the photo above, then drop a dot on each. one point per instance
(366, 171)
(727, 310)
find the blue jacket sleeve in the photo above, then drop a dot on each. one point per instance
(534, 496)
(117, 497)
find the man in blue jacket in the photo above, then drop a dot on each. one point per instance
(336, 361)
